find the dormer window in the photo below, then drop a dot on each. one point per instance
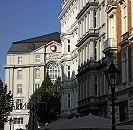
(20, 60)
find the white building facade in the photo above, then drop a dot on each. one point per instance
(69, 59)
(27, 63)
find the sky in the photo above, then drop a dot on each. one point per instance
(23, 19)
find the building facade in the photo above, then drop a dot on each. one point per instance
(69, 58)
(92, 91)
(104, 35)
(27, 63)
(93, 33)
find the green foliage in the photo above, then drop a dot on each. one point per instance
(46, 101)
(6, 104)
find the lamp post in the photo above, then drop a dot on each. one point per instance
(112, 75)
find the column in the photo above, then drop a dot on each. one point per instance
(91, 19)
(79, 5)
(87, 87)
(91, 85)
(79, 96)
(79, 57)
(83, 1)
(91, 50)
(83, 87)
(85, 25)
(81, 92)
(87, 22)
(78, 30)
(85, 53)
(82, 28)
(88, 51)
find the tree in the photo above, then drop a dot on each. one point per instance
(6, 104)
(46, 101)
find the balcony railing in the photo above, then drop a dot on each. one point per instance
(110, 43)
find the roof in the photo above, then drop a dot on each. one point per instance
(28, 45)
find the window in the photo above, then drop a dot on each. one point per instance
(18, 103)
(69, 100)
(68, 46)
(37, 73)
(20, 60)
(68, 72)
(36, 86)
(124, 19)
(100, 20)
(19, 74)
(96, 86)
(37, 58)
(53, 71)
(123, 110)
(18, 120)
(95, 19)
(95, 50)
(19, 88)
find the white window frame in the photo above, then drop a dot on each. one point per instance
(68, 45)
(19, 59)
(19, 74)
(19, 103)
(18, 120)
(53, 71)
(19, 89)
(69, 72)
(37, 73)
(37, 58)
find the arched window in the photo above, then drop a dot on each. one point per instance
(53, 71)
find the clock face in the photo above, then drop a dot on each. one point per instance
(53, 48)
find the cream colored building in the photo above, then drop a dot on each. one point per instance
(27, 63)
(69, 58)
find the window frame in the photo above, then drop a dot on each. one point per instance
(19, 89)
(19, 74)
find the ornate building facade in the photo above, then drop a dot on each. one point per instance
(92, 91)
(93, 33)
(69, 59)
(105, 34)
(27, 63)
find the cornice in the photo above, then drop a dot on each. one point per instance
(65, 8)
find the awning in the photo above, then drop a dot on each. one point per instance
(89, 122)
(80, 123)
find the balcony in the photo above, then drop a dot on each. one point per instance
(110, 45)
(92, 33)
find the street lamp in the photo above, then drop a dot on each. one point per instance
(112, 75)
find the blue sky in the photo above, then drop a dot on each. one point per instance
(22, 19)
